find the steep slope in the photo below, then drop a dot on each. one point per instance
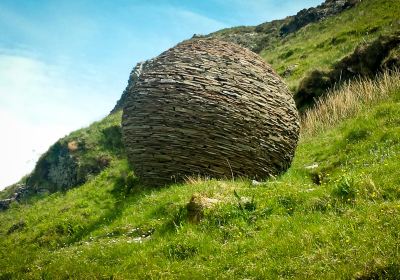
(307, 56)
(317, 44)
(318, 40)
(256, 38)
(71, 161)
(338, 204)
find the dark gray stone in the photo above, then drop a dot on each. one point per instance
(5, 203)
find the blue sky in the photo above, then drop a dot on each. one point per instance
(64, 64)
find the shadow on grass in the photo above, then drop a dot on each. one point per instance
(127, 190)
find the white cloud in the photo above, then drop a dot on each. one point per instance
(196, 22)
(40, 103)
(21, 145)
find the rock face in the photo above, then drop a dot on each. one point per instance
(306, 16)
(209, 108)
(20, 192)
(257, 38)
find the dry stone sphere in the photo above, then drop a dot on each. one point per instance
(208, 108)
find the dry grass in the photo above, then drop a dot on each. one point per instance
(346, 101)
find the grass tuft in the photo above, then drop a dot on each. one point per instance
(347, 101)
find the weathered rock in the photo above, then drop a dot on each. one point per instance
(5, 203)
(56, 170)
(21, 192)
(306, 16)
(197, 205)
(208, 108)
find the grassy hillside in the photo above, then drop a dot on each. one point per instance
(72, 160)
(334, 214)
(318, 45)
(322, 44)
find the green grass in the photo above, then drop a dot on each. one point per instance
(340, 220)
(319, 45)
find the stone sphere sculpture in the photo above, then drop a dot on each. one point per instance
(208, 108)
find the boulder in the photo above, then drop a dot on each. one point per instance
(209, 108)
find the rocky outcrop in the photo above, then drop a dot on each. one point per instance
(5, 203)
(366, 61)
(20, 191)
(56, 170)
(306, 16)
(257, 38)
(254, 38)
(210, 108)
(68, 163)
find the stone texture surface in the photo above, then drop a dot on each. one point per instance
(208, 108)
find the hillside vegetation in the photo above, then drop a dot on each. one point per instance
(74, 159)
(334, 214)
(318, 45)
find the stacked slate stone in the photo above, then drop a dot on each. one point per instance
(208, 108)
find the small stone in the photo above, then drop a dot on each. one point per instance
(197, 205)
(312, 166)
(5, 203)
(289, 70)
(255, 183)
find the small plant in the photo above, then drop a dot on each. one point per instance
(179, 218)
(181, 251)
(244, 204)
(345, 190)
(289, 203)
(357, 135)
